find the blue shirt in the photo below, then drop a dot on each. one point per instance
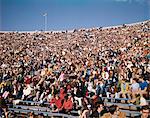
(143, 85)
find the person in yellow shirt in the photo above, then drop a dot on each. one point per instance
(124, 89)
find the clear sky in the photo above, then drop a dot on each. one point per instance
(27, 15)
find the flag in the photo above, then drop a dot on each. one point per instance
(45, 14)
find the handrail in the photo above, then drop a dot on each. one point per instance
(47, 103)
(104, 102)
(48, 112)
(115, 98)
(119, 98)
(128, 111)
(38, 108)
(125, 105)
(60, 114)
(39, 112)
(32, 107)
(44, 109)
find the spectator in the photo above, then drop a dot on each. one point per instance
(78, 95)
(145, 112)
(114, 113)
(68, 104)
(124, 89)
(31, 115)
(89, 63)
(143, 86)
(58, 103)
(86, 112)
(3, 107)
(99, 111)
(135, 87)
(100, 88)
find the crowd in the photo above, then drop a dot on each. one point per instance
(73, 70)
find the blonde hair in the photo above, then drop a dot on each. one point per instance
(107, 115)
(122, 115)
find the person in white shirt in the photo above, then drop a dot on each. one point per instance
(135, 87)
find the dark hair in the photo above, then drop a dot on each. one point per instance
(98, 105)
(146, 107)
(112, 109)
(135, 79)
(66, 97)
(41, 114)
(31, 113)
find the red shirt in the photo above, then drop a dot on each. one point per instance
(27, 80)
(68, 87)
(58, 103)
(62, 94)
(52, 101)
(68, 104)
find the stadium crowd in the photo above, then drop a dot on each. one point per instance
(73, 70)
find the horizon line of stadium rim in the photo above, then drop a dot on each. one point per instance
(71, 31)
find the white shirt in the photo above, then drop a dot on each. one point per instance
(135, 87)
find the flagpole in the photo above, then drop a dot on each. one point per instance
(45, 21)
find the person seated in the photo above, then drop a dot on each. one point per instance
(62, 93)
(68, 104)
(143, 86)
(135, 87)
(145, 112)
(124, 89)
(78, 95)
(100, 88)
(114, 113)
(3, 106)
(41, 115)
(99, 111)
(31, 115)
(86, 112)
(58, 103)
(139, 100)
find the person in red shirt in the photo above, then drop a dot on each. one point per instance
(68, 104)
(58, 103)
(52, 101)
(68, 88)
(62, 93)
(27, 79)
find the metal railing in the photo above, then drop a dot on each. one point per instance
(36, 112)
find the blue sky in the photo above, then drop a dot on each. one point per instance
(27, 15)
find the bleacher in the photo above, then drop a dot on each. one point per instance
(25, 107)
(77, 41)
